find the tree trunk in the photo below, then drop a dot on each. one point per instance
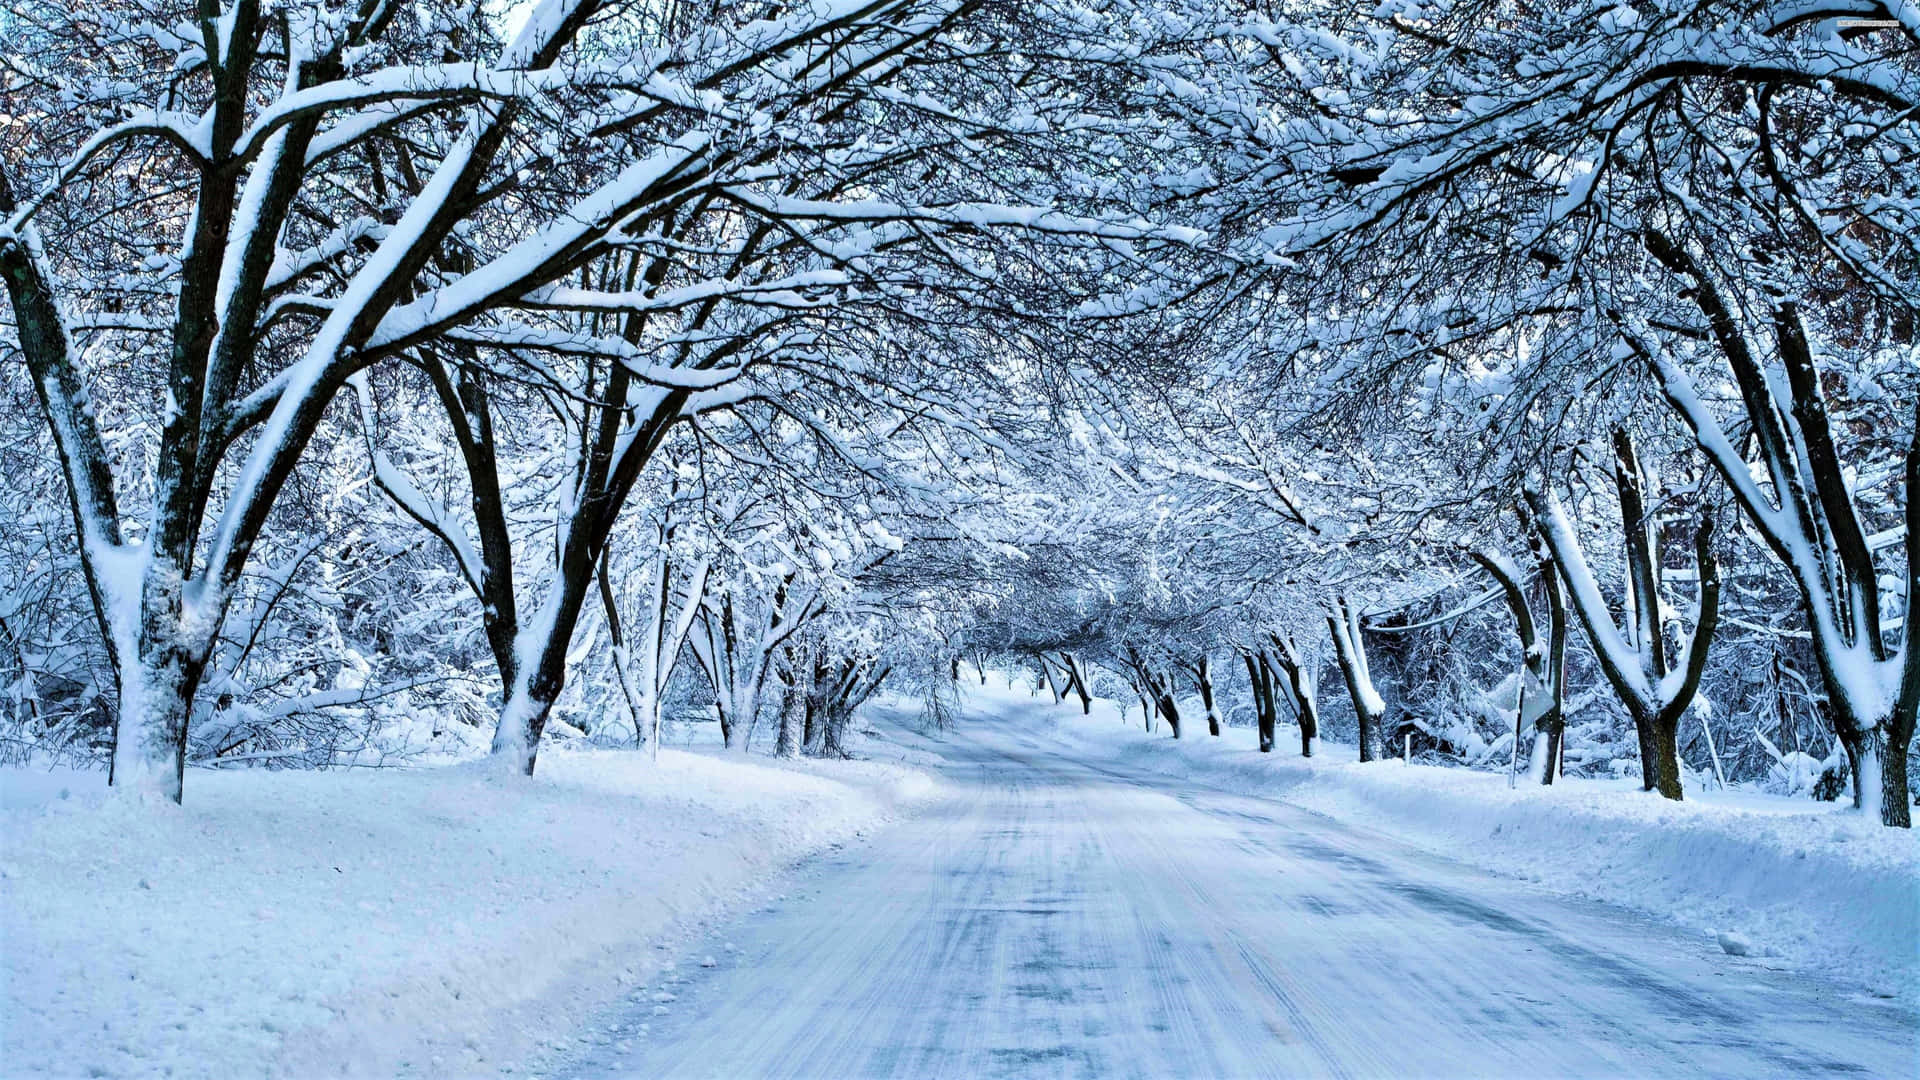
(1649, 753)
(1551, 735)
(1637, 668)
(832, 734)
(1079, 684)
(1300, 688)
(1048, 682)
(1542, 663)
(836, 709)
(1170, 710)
(1869, 757)
(737, 726)
(516, 739)
(537, 685)
(1552, 724)
(1263, 702)
(1896, 800)
(1666, 739)
(1203, 678)
(793, 706)
(810, 728)
(150, 739)
(622, 657)
(1349, 647)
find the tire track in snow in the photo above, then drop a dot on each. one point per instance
(1058, 919)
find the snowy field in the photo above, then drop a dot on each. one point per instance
(388, 922)
(1813, 884)
(439, 922)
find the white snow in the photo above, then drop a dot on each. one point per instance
(381, 922)
(1061, 913)
(1821, 885)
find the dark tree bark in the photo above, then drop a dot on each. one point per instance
(1047, 679)
(1260, 679)
(1553, 723)
(1077, 682)
(1202, 673)
(469, 410)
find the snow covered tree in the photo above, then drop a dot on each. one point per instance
(1580, 202)
(1656, 686)
(1543, 654)
(658, 198)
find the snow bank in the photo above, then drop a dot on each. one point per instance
(1817, 884)
(383, 922)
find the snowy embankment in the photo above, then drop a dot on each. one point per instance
(1818, 885)
(382, 922)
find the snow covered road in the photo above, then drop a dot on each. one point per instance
(1055, 917)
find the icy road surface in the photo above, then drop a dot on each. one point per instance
(1060, 918)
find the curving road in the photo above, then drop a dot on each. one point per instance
(1055, 918)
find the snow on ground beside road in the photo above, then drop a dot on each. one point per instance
(383, 922)
(1820, 885)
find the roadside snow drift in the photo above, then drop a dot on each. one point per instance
(378, 923)
(1818, 885)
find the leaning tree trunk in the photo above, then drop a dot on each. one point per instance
(1049, 683)
(1542, 662)
(622, 657)
(1169, 708)
(1368, 708)
(1809, 519)
(1079, 683)
(1301, 690)
(537, 684)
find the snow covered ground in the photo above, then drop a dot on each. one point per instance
(389, 922)
(1817, 885)
(1059, 912)
(442, 922)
